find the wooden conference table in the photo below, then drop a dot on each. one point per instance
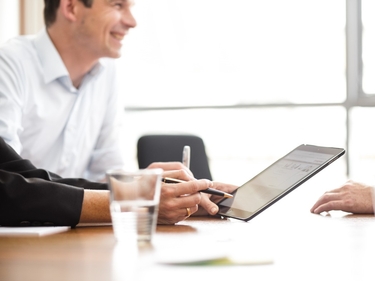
(286, 242)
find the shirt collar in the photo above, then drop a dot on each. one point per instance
(52, 65)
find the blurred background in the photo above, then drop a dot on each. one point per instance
(254, 79)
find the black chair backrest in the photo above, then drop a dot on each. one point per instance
(165, 148)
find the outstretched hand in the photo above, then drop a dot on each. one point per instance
(352, 197)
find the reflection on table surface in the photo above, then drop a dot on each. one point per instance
(296, 244)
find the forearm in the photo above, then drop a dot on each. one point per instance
(37, 196)
(95, 207)
(37, 202)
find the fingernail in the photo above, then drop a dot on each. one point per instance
(214, 210)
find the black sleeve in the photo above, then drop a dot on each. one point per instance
(31, 196)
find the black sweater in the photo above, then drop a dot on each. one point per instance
(31, 196)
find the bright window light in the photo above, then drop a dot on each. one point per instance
(219, 52)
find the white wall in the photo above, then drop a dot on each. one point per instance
(9, 19)
(33, 16)
(10, 22)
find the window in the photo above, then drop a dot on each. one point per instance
(253, 78)
(219, 52)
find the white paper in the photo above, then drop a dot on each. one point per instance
(32, 231)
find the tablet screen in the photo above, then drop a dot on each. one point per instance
(277, 180)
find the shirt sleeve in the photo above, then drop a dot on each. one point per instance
(108, 153)
(31, 196)
(10, 103)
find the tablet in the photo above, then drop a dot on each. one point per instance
(277, 180)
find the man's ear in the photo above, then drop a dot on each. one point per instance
(68, 9)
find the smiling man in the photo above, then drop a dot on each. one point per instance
(59, 109)
(58, 102)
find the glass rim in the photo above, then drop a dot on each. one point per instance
(152, 171)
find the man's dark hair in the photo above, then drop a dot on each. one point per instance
(51, 6)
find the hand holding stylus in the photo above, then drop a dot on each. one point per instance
(208, 190)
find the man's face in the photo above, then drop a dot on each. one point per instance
(101, 28)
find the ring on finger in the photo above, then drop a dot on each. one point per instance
(188, 212)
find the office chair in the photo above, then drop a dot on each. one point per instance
(164, 148)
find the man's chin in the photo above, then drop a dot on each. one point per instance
(114, 53)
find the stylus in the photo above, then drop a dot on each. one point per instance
(186, 156)
(208, 190)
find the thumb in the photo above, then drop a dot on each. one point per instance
(208, 205)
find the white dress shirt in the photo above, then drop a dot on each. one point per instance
(72, 132)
